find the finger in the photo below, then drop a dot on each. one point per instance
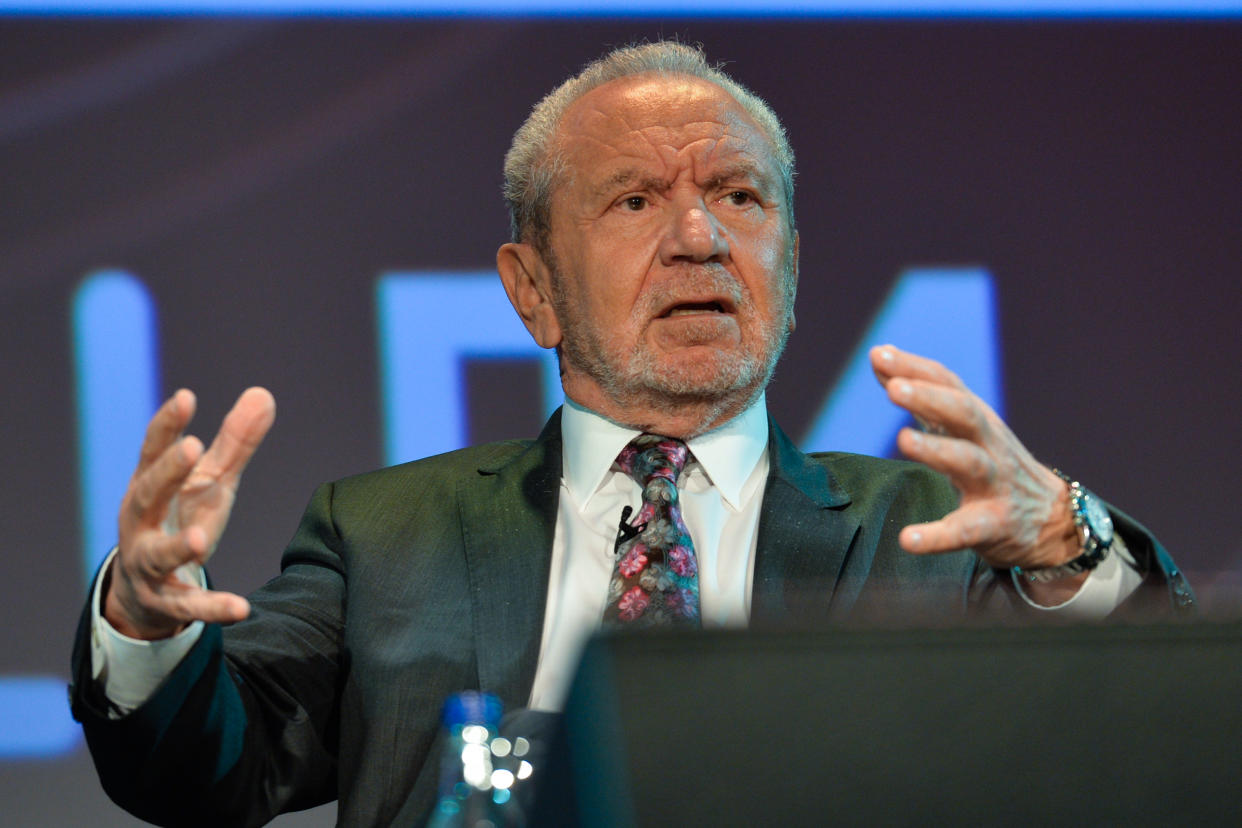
(168, 606)
(889, 362)
(161, 610)
(966, 464)
(883, 358)
(153, 489)
(971, 525)
(941, 408)
(243, 429)
(156, 556)
(166, 426)
(191, 603)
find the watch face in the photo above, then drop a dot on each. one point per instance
(1097, 518)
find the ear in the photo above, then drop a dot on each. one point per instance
(529, 286)
(797, 240)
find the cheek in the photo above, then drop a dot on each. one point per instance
(599, 300)
(770, 257)
(614, 276)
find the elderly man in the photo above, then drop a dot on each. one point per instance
(654, 246)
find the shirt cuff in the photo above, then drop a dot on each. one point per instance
(1105, 588)
(130, 670)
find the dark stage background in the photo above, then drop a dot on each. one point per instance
(259, 176)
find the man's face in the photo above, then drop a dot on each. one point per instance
(673, 262)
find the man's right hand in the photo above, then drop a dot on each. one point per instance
(174, 512)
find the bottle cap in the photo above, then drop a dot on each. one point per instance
(471, 707)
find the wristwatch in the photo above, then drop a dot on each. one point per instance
(1095, 529)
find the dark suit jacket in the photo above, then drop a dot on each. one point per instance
(407, 584)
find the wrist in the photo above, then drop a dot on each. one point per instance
(1079, 547)
(1058, 541)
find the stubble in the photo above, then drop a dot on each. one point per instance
(638, 378)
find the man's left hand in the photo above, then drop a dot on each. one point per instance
(1014, 510)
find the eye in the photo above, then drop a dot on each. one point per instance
(634, 203)
(739, 198)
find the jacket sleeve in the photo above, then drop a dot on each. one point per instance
(237, 733)
(1162, 593)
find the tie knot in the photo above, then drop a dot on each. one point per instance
(649, 456)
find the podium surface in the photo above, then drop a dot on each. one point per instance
(1137, 725)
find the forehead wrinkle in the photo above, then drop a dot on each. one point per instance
(683, 136)
(638, 126)
(636, 177)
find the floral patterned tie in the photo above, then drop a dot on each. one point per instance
(655, 579)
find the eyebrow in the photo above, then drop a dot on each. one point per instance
(743, 171)
(636, 178)
(631, 177)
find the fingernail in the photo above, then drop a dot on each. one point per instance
(916, 538)
(886, 353)
(915, 437)
(904, 390)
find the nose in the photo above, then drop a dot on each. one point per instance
(694, 235)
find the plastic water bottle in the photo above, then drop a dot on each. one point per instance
(475, 780)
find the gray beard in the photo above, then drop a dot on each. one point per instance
(637, 380)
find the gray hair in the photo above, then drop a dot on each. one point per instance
(533, 165)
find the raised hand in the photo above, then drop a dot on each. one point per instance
(1014, 510)
(173, 513)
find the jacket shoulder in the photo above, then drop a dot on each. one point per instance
(438, 470)
(868, 478)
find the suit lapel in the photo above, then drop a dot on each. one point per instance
(508, 515)
(509, 509)
(805, 534)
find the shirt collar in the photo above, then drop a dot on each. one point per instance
(728, 454)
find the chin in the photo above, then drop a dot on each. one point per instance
(703, 372)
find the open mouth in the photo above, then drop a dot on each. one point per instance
(690, 308)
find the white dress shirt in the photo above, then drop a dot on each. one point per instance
(721, 489)
(721, 494)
